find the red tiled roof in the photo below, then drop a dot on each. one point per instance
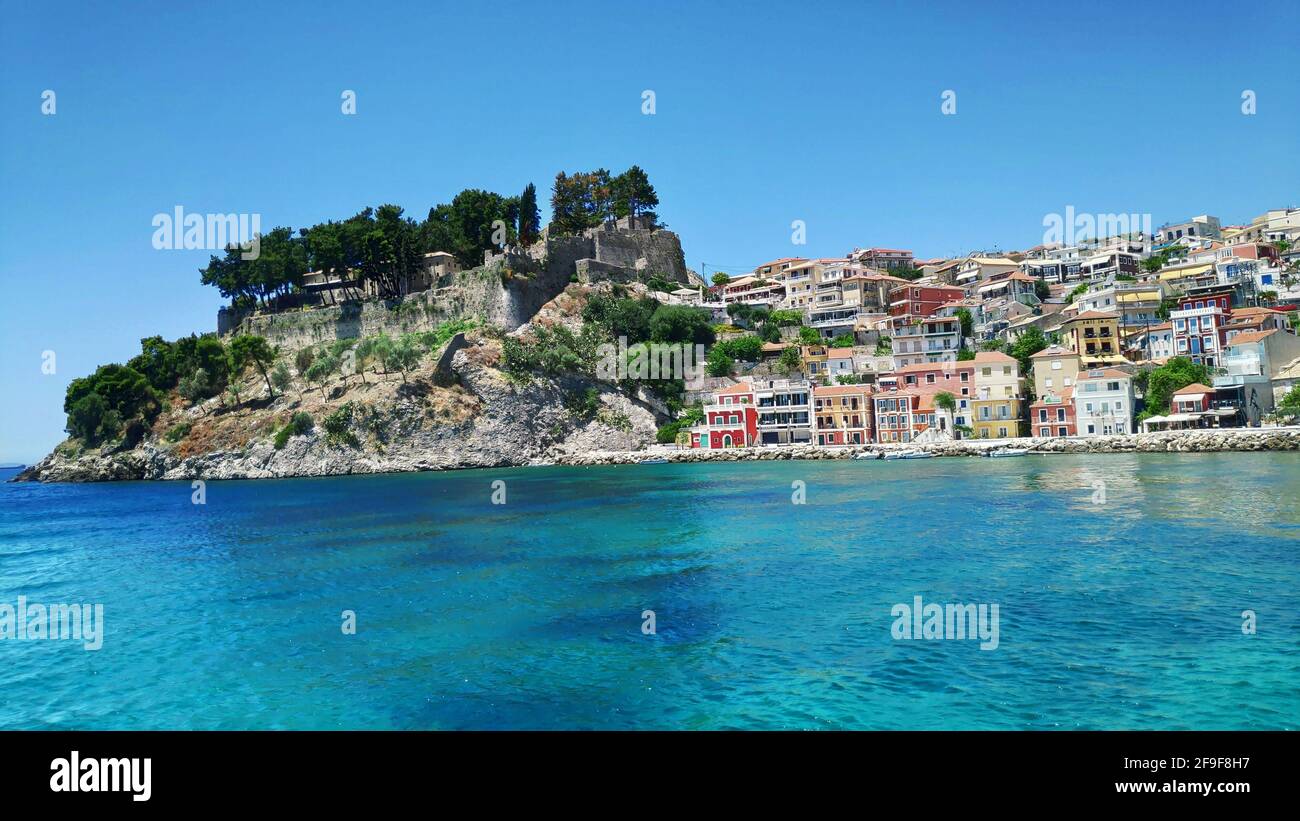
(1094, 315)
(1194, 388)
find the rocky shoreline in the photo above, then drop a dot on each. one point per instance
(308, 457)
(1192, 441)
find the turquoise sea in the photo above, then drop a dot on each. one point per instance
(1122, 612)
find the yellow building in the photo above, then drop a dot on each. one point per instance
(1094, 336)
(815, 360)
(999, 392)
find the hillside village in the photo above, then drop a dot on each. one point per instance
(1190, 327)
(491, 355)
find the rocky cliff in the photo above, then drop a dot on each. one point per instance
(457, 409)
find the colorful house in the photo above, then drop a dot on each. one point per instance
(998, 392)
(901, 416)
(1094, 336)
(956, 378)
(1199, 326)
(1052, 414)
(730, 420)
(842, 414)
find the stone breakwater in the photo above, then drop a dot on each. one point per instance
(1195, 441)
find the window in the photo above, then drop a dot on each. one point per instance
(1060, 414)
(1092, 429)
(1048, 382)
(1061, 432)
(1042, 414)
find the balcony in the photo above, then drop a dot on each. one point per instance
(1183, 313)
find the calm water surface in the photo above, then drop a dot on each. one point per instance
(1125, 614)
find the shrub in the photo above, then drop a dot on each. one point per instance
(719, 363)
(681, 323)
(178, 431)
(303, 359)
(302, 423)
(281, 378)
(338, 427)
(584, 404)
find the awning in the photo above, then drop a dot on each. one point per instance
(1150, 419)
(1224, 411)
(1182, 417)
(1181, 273)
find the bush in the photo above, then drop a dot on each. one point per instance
(810, 336)
(338, 427)
(303, 359)
(552, 351)
(621, 316)
(86, 418)
(719, 363)
(681, 323)
(281, 378)
(744, 348)
(196, 387)
(178, 431)
(301, 423)
(585, 404)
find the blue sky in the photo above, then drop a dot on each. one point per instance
(765, 113)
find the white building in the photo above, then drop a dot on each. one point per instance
(1103, 402)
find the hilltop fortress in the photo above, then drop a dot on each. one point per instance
(507, 290)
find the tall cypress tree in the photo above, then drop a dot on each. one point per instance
(530, 219)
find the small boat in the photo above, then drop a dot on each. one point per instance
(908, 454)
(653, 460)
(867, 455)
(995, 454)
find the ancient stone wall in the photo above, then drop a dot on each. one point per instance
(506, 291)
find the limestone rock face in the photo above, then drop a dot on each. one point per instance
(493, 423)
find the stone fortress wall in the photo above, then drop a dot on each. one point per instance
(507, 290)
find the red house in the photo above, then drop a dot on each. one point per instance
(730, 421)
(922, 300)
(1053, 415)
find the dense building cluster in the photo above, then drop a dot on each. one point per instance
(1057, 340)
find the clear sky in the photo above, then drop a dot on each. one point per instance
(766, 112)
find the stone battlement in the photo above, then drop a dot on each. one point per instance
(507, 290)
